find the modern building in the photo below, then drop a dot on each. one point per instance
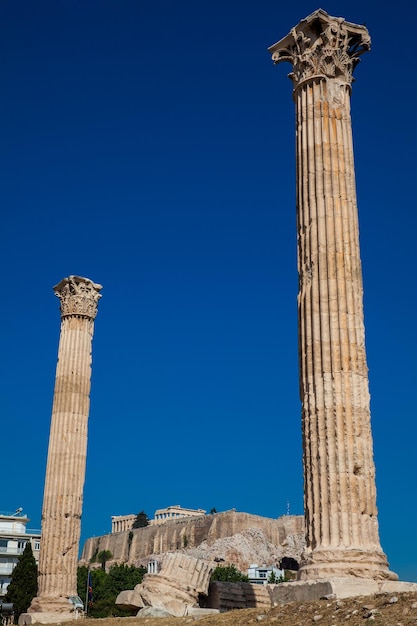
(14, 536)
(262, 575)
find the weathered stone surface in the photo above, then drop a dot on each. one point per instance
(226, 596)
(187, 571)
(49, 610)
(176, 587)
(198, 612)
(230, 596)
(45, 618)
(65, 472)
(342, 537)
(307, 591)
(257, 596)
(152, 611)
(130, 599)
(251, 546)
(237, 538)
(164, 593)
(396, 586)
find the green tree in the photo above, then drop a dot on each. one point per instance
(213, 510)
(274, 579)
(106, 586)
(228, 574)
(82, 573)
(103, 556)
(122, 577)
(141, 520)
(23, 585)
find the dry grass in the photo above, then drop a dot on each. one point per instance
(378, 610)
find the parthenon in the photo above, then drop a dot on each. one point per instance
(121, 523)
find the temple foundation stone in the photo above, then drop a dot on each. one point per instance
(65, 471)
(342, 536)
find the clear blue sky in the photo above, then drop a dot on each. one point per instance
(150, 147)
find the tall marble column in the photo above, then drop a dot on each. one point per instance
(342, 537)
(65, 471)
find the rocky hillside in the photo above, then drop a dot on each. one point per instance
(249, 546)
(230, 537)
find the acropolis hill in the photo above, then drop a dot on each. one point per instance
(237, 538)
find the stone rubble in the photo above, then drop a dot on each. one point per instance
(248, 546)
(174, 589)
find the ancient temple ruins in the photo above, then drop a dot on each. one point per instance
(342, 537)
(65, 471)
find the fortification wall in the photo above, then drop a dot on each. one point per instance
(284, 537)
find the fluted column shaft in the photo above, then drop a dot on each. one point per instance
(65, 472)
(342, 537)
(64, 483)
(339, 472)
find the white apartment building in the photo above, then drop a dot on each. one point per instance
(14, 536)
(261, 574)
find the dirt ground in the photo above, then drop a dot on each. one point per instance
(379, 610)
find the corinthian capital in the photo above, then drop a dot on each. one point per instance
(322, 46)
(78, 296)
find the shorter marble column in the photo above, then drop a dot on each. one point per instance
(65, 472)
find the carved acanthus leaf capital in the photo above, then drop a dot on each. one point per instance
(78, 296)
(321, 45)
